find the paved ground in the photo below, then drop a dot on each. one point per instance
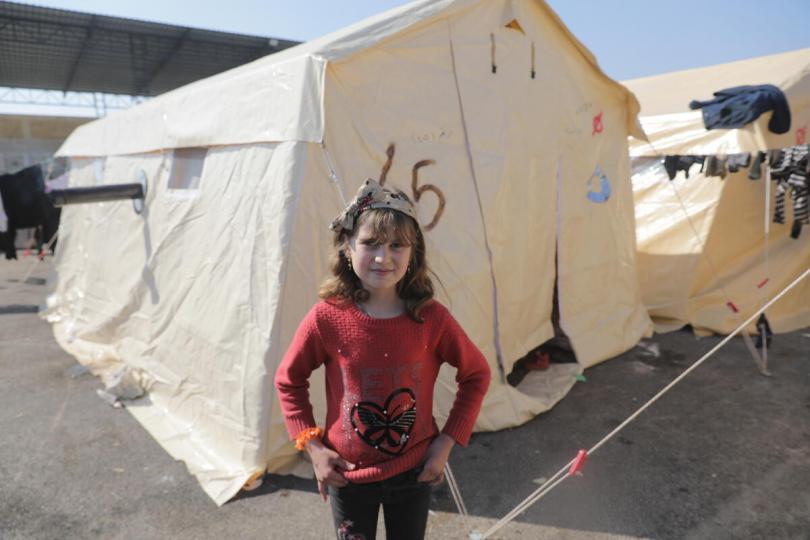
(725, 455)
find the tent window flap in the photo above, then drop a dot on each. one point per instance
(187, 168)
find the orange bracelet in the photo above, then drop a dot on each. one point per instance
(307, 435)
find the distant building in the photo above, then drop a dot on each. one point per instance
(76, 66)
(26, 140)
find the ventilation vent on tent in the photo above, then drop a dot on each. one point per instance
(515, 25)
(509, 20)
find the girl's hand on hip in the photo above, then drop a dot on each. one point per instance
(328, 466)
(435, 460)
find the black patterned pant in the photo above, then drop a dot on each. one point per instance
(405, 502)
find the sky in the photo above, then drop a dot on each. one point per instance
(630, 38)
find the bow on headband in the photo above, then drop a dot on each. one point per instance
(371, 195)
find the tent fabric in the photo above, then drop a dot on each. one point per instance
(704, 242)
(200, 294)
(672, 128)
(278, 97)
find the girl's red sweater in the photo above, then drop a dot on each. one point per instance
(380, 375)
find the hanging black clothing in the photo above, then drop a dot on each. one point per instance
(735, 107)
(26, 206)
(673, 164)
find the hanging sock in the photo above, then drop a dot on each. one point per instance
(755, 172)
(716, 166)
(738, 161)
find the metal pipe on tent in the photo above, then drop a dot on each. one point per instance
(135, 191)
(82, 195)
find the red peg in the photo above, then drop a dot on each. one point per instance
(763, 282)
(579, 461)
(733, 307)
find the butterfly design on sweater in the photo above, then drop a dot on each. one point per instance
(387, 427)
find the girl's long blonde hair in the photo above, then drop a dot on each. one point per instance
(415, 288)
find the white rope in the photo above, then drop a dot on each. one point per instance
(451, 481)
(43, 249)
(528, 501)
(694, 232)
(764, 288)
(540, 492)
(456, 493)
(699, 362)
(700, 245)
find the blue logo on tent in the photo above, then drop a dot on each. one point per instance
(604, 186)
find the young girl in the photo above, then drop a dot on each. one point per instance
(381, 339)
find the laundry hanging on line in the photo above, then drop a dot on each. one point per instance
(719, 165)
(790, 170)
(673, 164)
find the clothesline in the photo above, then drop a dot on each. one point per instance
(789, 168)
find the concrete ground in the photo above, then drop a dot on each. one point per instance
(725, 454)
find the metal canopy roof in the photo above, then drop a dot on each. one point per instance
(54, 49)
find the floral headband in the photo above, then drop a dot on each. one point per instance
(371, 195)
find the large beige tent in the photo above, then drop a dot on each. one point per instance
(704, 242)
(197, 297)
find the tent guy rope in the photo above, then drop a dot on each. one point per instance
(456, 492)
(40, 255)
(567, 470)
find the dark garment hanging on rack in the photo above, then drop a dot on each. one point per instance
(735, 107)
